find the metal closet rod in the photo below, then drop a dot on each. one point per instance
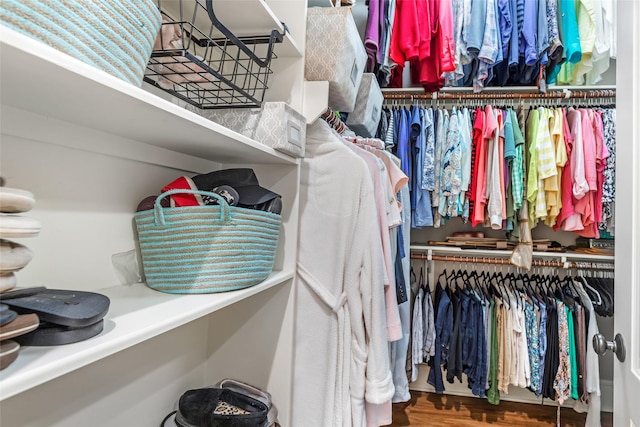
(505, 261)
(459, 95)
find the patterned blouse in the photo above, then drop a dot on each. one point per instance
(562, 382)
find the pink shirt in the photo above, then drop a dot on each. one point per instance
(601, 161)
(490, 126)
(447, 46)
(394, 328)
(589, 143)
(586, 205)
(565, 183)
(579, 186)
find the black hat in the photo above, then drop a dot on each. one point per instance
(243, 180)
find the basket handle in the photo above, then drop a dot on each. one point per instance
(275, 37)
(158, 211)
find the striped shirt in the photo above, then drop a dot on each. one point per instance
(517, 167)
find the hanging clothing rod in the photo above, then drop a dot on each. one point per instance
(552, 94)
(505, 261)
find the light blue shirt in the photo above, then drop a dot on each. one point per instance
(475, 32)
(422, 216)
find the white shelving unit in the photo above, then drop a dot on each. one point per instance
(137, 314)
(90, 147)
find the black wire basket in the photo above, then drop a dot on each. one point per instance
(199, 60)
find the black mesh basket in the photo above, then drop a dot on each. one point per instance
(197, 59)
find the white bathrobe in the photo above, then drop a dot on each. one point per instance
(341, 354)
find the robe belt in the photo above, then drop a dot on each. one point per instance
(327, 297)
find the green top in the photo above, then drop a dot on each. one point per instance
(572, 355)
(517, 171)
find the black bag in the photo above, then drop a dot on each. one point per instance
(218, 407)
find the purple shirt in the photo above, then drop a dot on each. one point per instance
(372, 34)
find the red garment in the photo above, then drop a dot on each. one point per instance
(426, 69)
(469, 195)
(396, 76)
(405, 34)
(566, 183)
(183, 199)
(478, 125)
(488, 131)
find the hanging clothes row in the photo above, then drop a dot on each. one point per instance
(353, 279)
(481, 164)
(510, 329)
(490, 42)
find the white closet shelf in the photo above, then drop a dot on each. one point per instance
(137, 313)
(42, 80)
(316, 99)
(251, 18)
(455, 251)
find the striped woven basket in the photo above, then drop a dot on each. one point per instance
(206, 249)
(115, 36)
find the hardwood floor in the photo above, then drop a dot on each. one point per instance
(434, 410)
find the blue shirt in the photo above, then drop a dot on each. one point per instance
(402, 141)
(514, 45)
(475, 32)
(543, 33)
(422, 214)
(506, 25)
(529, 45)
(444, 327)
(415, 130)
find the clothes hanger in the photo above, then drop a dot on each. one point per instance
(495, 281)
(427, 287)
(442, 274)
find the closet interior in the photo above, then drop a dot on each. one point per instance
(90, 146)
(452, 257)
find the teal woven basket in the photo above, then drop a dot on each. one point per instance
(206, 249)
(115, 36)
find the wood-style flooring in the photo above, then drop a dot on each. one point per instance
(434, 410)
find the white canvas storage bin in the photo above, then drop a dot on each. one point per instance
(275, 124)
(282, 128)
(365, 117)
(335, 53)
(241, 120)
